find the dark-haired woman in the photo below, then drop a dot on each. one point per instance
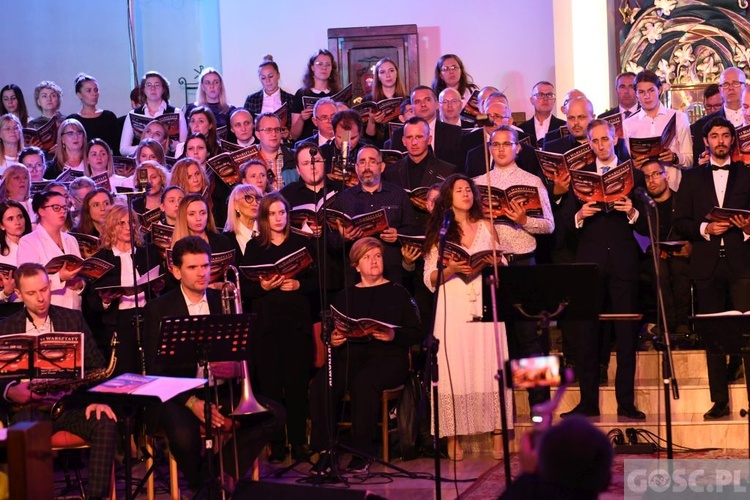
(93, 210)
(321, 80)
(450, 72)
(14, 223)
(13, 102)
(114, 310)
(468, 398)
(99, 123)
(369, 365)
(271, 97)
(49, 240)
(155, 96)
(282, 343)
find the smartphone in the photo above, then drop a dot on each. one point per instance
(539, 371)
(142, 177)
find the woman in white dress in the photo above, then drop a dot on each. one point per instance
(50, 240)
(468, 399)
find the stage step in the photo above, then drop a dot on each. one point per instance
(688, 427)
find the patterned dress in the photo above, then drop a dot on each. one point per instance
(467, 360)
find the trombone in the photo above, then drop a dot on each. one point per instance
(231, 303)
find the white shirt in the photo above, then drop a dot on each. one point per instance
(721, 177)
(734, 116)
(541, 127)
(126, 279)
(246, 144)
(271, 102)
(245, 234)
(432, 133)
(196, 308)
(641, 125)
(126, 140)
(632, 110)
(38, 246)
(516, 238)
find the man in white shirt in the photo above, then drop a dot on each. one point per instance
(650, 122)
(241, 125)
(543, 99)
(516, 236)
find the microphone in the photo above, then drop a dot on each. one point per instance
(344, 155)
(643, 195)
(448, 216)
(313, 152)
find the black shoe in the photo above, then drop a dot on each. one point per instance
(323, 466)
(603, 377)
(277, 455)
(718, 410)
(580, 410)
(631, 412)
(358, 465)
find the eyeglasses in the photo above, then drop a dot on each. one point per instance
(324, 118)
(274, 130)
(733, 85)
(542, 95)
(35, 167)
(153, 85)
(73, 132)
(57, 208)
(654, 175)
(712, 107)
(450, 101)
(9, 129)
(502, 145)
(322, 64)
(252, 199)
(452, 67)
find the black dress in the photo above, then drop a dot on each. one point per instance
(368, 366)
(281, 346)
(105, 127)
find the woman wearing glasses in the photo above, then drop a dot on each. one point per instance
(99, 123)
(155, 96)
(11, 140)
(241, 225)
(49, 240)
(70, 150)
(321, 80)
(114, 310)
(450, 72)
(34, 160)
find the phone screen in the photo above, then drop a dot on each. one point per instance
(539, 371)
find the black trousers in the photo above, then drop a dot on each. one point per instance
(622, 296)
(721, 292)
(524, 340)
(101, 434)
(675, 288)
(365, 372)
(183, 431)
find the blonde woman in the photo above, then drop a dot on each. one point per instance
(16, 185)
(11, 140)
(48, 99)
(70, 151)
(242, 211)
(213, 95)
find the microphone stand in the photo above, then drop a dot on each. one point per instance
(668, 374)
(494, 285)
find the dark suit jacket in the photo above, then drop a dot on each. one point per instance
(528, 127)
(607, 238)
(171, 304)
(449, 145)
(475, 137)
(565, 144)
(313, 139)
(433, 170)
(254, 103)
(63, 320)
(696, 131)
(614, 111)
(695, 199)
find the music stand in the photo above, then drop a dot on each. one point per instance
(729, 334)
(203, 339)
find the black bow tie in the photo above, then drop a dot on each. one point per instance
(719, 167)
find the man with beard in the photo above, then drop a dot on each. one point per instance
(720, 260)
(673, 264)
